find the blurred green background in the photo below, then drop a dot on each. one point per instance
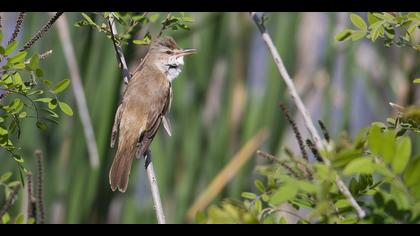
(226, 93)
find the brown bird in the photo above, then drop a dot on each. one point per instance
(142, 110)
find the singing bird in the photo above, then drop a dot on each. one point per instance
(145, 102)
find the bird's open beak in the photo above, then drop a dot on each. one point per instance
(184, 52)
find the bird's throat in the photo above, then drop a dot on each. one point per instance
(173, 72)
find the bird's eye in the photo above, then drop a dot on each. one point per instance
(168, 52)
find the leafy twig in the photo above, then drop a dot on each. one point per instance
(120, 55)
(301, 107)
(165, 25)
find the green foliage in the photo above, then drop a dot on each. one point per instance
(130, 22)
(394, 28)
(22, 93)
(378, 164)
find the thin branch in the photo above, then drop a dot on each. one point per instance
(148, 161)
(301, 107)
(154, 188)
(18, 26)
(40, 186)
(41, 32)
(78, 91)
(120, 55)
(9, 202)
(164, 25)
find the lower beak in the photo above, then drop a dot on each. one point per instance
(184, 52)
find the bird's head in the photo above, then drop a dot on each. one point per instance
(168, 57)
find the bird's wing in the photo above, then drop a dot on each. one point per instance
(165, 119)
(159, 109)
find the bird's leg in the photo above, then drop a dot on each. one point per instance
(117, 120)
(147, 158)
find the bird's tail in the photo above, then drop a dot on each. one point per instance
(121, 166)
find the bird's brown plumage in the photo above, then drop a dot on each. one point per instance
(140, 119)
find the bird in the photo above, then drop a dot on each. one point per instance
(145, 102)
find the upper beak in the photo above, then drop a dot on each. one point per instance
(184, 52)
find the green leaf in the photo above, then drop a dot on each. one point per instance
(249, 195)
(358, 35)
(376, 30)
(358, 22)
(342, 203)
(45, 100)
(5, 177)
(20, 219)
(153, 18)
(374, 139)
(13, 184)
(19, 57)
(387, 145)
(23, 115)
(18, 158)
(187, 19)
(65, 108)
(258, 205)
(412, 173)
(36, 92)
(5, 218)
(33, 63)
(61, 86)
(343, 35)
(3, 131)
(141, 41)
(361, 165)
(259, 185)
(88, 19)
(284, 193)
(402, 154)
(282, 220)
(354, 187)
(1, 35)
(41, 125)
(343, 157)
(10, 48)
(39, 72)
(372, 19)
(307, 186)
(417, 81)
(52, 104)
(31, 221)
